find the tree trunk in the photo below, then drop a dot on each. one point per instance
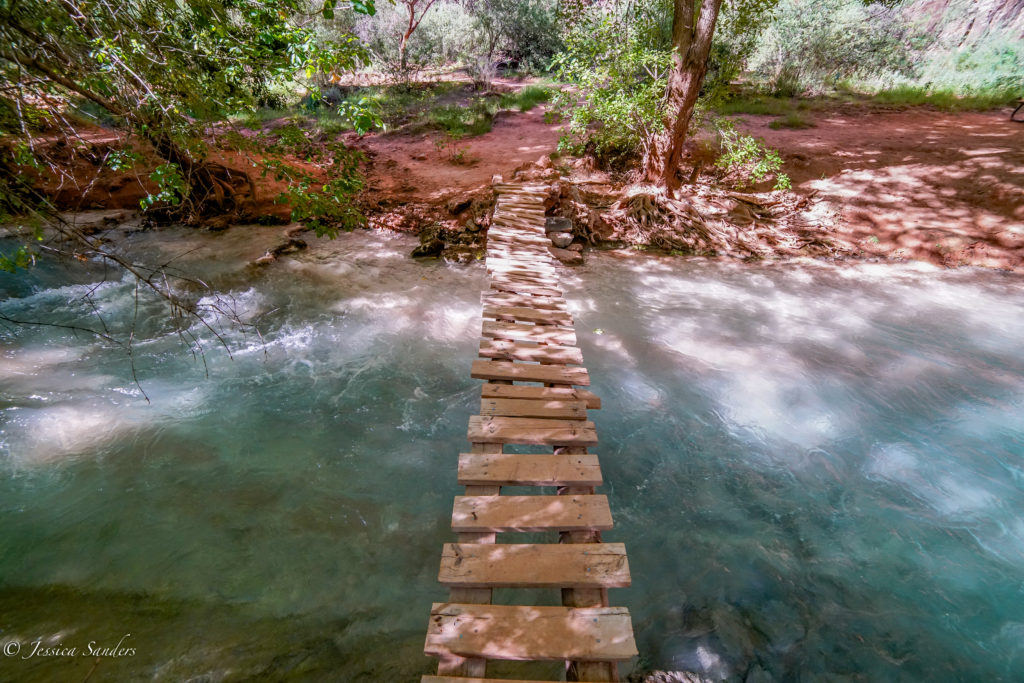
(693, 26)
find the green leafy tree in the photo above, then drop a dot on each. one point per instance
(166, 71)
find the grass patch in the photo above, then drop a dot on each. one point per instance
(758, 106)
(460, 121)
(793, 119)
(527, 98)
(945, 100)
(451, 108)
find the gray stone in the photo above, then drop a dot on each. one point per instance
(569, 258)
(561, 239)
(558, 224)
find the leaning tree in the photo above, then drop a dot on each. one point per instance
(693, 27)
(166, 71)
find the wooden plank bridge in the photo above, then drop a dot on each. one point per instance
(528, 337)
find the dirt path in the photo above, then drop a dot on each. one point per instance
(945, 188)
(412, 168)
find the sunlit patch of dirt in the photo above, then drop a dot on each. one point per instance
(944, 188)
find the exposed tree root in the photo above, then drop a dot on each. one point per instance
(709, 221)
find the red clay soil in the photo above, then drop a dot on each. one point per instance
(412, 168)
(916, 184)
(944, 188)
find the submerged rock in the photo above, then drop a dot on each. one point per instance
(431, 242)
(561, 239)
(557, 224)
(569, 258)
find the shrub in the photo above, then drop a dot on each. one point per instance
(745, 159)
(615, 107)
(808, 45)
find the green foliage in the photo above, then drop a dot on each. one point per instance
(521, 33)
(483, 33)
(160, 69)
(793, 120)
(757, 105)
(20, 259)
(171, 186)
(946, 99)
(746, 160)
(326, 207)
(614, 105)
(527, 98)
(809, 45)
(461, 121)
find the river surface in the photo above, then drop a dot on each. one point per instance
(818, 470)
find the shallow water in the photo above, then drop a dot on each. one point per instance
(818, 471)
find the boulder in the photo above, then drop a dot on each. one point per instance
(561, 239)
(557, 224)
(457, 205)
(431, 242)
(569, 258)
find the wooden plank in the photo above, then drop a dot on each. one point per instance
(523, 288)
(531, 469)
(526, 270)
(535, 431)
(529, 372)
(548, 410)
(541, 334)
(526, 277)
(525, 267)
(496, 261)
(507, 299)
(520, 391)
(500, 261)
(523, 256)
(529, 315)
(499, 232)
(460, 679)
(508, 350)
(531, 513)
(514, 632)
(534, 565)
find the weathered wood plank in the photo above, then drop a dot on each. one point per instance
(541, 334)
(460, 679)
(525, 278)
(532, 469)
(508, 350)
(506, 299)
(548, 410)
(490, 390)
(532, 270)
(523, 288)
(525, 430)
(529, 315)
(527, 633)
(529, 372)
(531, 513)
(534, 565)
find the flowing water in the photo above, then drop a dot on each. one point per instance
(818, 470)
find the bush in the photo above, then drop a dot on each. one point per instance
(445, 35)
(527, 98)
(616, 105)
(810, 45)
(746, 160)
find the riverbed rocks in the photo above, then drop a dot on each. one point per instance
(561, 239)
(290, 246)
(567, 256)
(431, 242)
